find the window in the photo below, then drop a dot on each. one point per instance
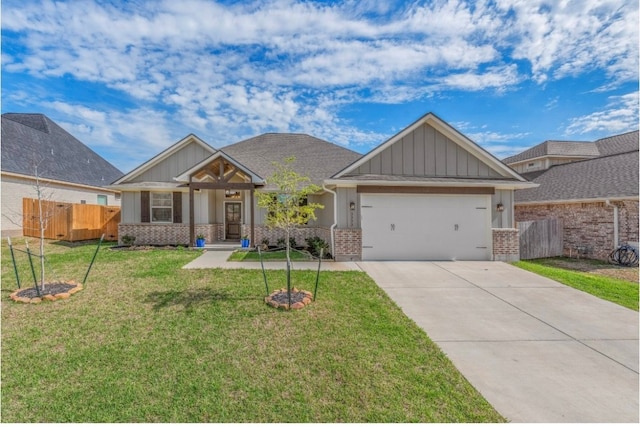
(161, 207)
(102, 199)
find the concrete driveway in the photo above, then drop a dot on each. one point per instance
(537, 350)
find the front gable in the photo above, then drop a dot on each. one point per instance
(426, 152)
(170, 163)
(221, 169)
(430, 148)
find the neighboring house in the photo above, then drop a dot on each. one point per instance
(68, 170)
(596, 196)
(427, 193)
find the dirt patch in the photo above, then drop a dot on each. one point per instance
(600, 268)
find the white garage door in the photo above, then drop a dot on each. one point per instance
(425, 227)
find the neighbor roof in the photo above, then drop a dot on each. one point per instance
(315, 158)
(604, 177)
(34, 139)
(616, 144)
(556, 148)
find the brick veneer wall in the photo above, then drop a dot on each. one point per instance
(178, 234)
(588, 227)
(348, 244)
(167, 234)
(506, 244)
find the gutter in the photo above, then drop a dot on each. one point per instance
(335, 218)
(616, 231)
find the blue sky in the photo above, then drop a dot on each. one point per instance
(130, 78)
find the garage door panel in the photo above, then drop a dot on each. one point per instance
(425, 227)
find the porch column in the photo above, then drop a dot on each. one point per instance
(192, 227)
(253, 212)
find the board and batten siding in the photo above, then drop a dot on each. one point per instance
(505, 218)
(427, 152)
(175, 164)
(346, 217)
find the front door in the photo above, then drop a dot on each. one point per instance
(233, 220)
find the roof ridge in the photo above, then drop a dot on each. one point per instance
(606, 156)
(617, 135)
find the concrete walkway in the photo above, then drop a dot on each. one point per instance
(537, 350)
(218, 259)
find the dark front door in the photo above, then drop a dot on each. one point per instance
(233, 220)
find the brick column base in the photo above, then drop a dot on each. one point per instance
(506, 244)
(348, 243)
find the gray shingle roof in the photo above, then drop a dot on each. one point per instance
(602, 177)
(315, 158)
(29, 139)
(618, 143)
(556, 148)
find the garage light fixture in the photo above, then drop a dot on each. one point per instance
(500, 207)
(352, 206)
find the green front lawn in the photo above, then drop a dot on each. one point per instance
(621, 292)
(146, 341)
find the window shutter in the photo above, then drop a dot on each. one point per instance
(145, 209)
(177, 207)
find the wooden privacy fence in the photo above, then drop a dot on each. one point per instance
(70, 221)
(540, 239)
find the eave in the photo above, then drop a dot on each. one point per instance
(59, 182)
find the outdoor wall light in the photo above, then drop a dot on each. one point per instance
(500, 207)
(352, 206)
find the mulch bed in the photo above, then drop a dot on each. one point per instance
(51, 292)
(280, 299)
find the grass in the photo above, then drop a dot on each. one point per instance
(269, 256)
(146, 341)
(621, 292)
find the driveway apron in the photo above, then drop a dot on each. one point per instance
(537, 350)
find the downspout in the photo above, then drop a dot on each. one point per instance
(335, 218)
(616, 235)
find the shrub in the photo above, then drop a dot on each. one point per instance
(128, 240)
(315, 244)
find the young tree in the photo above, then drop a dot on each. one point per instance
(44, 197)
(289, 207)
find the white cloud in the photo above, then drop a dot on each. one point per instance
(139, 133)
(232, 70)
(620, 115)
(572, 37)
